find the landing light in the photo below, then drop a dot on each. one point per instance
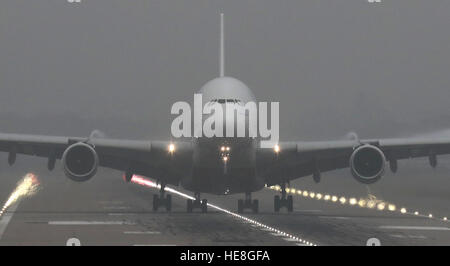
(276, 148)
(171, 148)
(225, 148)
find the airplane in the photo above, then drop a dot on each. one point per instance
(222, 165)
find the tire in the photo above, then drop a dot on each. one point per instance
(155, 203)
(189, 206)
(240, 206)
(204, 205)
(290, 203)
(276, 203)
(169, 203)
(255, 206)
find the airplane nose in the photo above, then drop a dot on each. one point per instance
(225, 152)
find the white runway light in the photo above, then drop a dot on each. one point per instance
(148, 183)
(26, 187)
(371, 202)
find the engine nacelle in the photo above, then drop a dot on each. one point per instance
(80, 162)
(367, 163)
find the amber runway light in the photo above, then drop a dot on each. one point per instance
(371, 202)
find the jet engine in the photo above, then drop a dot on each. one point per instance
(80, 162)
(367, 163)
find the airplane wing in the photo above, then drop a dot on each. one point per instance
(148, 158)
(298, 159)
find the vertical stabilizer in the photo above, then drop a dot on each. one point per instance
(222, 46)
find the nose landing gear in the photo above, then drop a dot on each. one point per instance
(162, 200)
(248, 203)
(197, 204)
(283, 201)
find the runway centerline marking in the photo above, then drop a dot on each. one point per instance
(116, 207)
(111, 202)
(425, 228)
(398, 236)
(142, 232)
(335, 217)
(417, 237)
(308, 211)
(90, 223)
(154, 245)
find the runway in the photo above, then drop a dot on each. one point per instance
(107, 211)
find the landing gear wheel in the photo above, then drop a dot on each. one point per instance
(240, 206)
(197, 204)
(158, 202)
(276, 203)
(248, 203)
(204, 205)
(162, 200)
(189, 205)
(155, 202)
(290, 203)
(283, 201)
(168, 203)
(255, 207)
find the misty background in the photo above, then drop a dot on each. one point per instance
(335, 66)
(379, 69)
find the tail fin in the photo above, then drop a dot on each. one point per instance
(222, 46)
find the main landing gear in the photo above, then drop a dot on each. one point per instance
(162, 200)
(197, 204)
(247, 203)
(284, 201)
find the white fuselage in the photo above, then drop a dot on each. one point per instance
(225, 165)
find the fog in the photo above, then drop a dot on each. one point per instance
(335, 66)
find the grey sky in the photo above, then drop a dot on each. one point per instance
(118, 65)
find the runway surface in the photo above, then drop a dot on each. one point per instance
(107, 211)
